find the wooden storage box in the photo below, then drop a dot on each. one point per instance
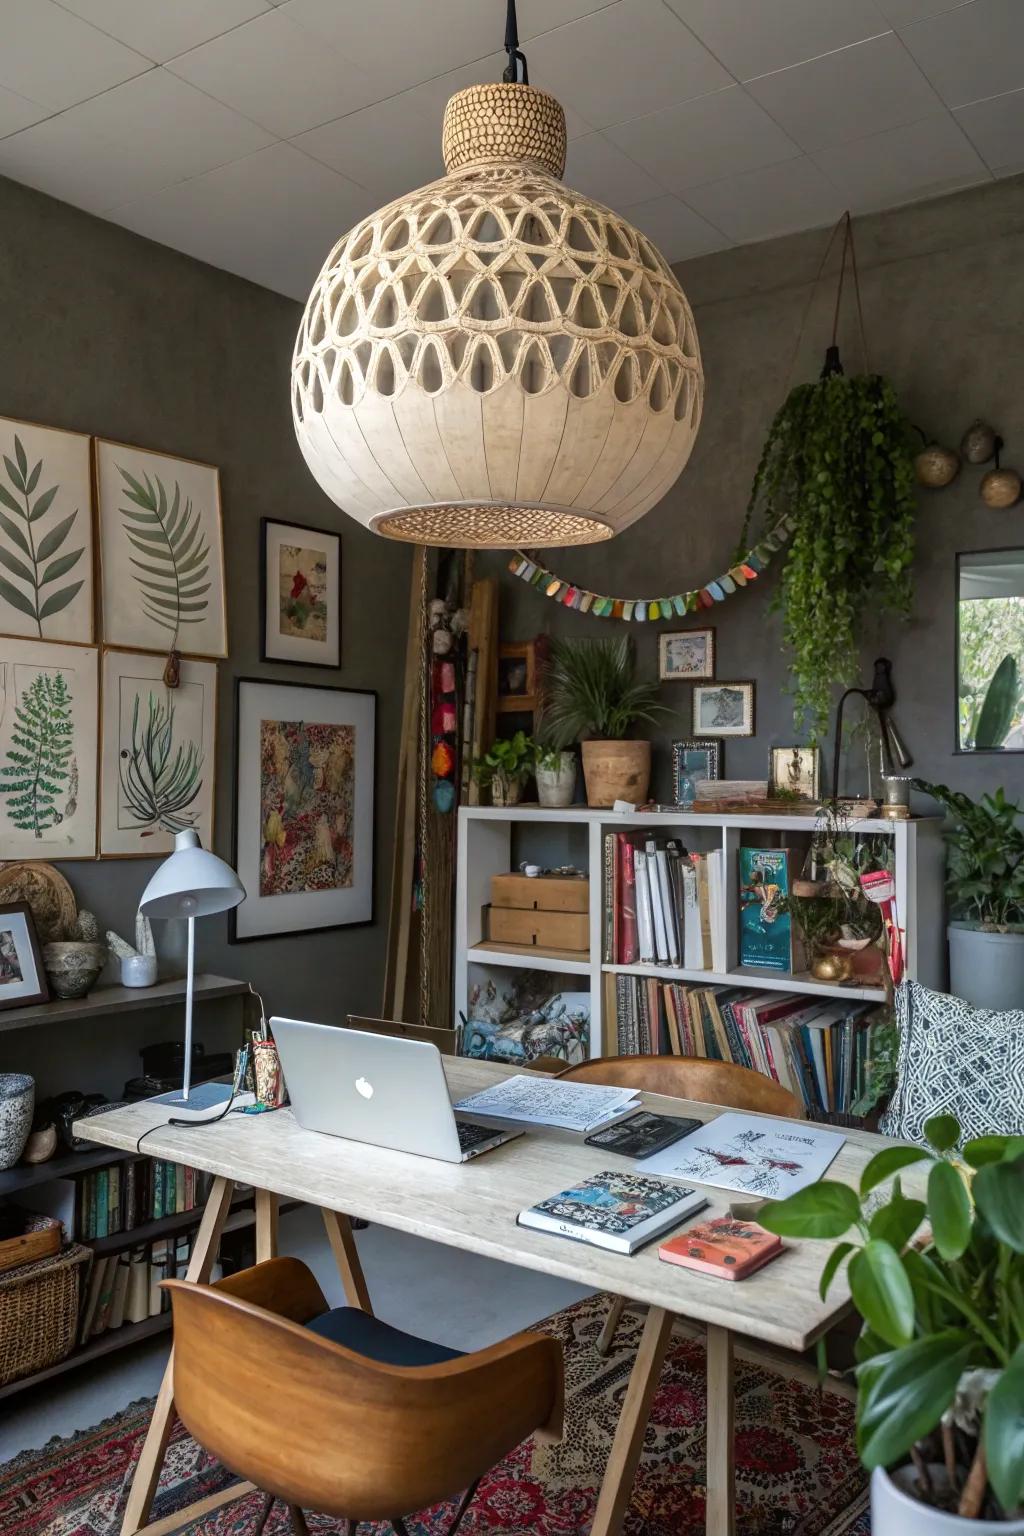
(540, 929)
(542, 893)
(40, 1238)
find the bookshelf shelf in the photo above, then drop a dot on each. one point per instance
(107, 1001)
(526, 957)
(25, 1175)
(780, 981)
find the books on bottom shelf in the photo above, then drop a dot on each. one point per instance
(124, 1288)
(663, 904)
(128, 1194)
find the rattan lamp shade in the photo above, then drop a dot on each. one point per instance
(496, 360)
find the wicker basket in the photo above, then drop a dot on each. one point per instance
(39, 1312)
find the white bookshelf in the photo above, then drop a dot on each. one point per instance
(492, 841)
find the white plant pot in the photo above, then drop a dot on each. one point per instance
(557, 786)
(895, 1513)
(986, 969)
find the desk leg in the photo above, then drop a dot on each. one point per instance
(267, 1205)
(720, 1518)
(346, 1256)
(617, 1487)
(147, 1472)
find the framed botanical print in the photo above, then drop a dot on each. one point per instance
(696, 760)
(161, 552)
(687, 655)
(46, 534)
(157, 755)
(795, 771)
(22, 978)
(49, 709)
(303, 807)
(300, 574)
(723, 709)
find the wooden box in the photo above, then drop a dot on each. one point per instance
(541, 893)
(540, 929)
(40, 1239)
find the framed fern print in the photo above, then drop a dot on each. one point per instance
(49, 708)
(161, 552)
(46, 534)
(157, 755)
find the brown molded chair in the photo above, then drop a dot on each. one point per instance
(335, 1411)
(684, 1077)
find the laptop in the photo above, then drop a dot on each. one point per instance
(375, 1088)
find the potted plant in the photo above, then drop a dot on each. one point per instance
(985, 887)
(555, 772)
(940, 1373)
(506, 767)
(592, 697)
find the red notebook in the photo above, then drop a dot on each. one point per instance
(726, 1247)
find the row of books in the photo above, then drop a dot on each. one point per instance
(818, 1048)
(663, 904)
(125, 1287)
(125, 1195)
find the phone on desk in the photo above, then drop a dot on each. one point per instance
(642, 1134)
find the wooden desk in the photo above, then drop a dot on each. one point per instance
(474, 1206)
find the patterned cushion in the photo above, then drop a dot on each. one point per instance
(956, 1060)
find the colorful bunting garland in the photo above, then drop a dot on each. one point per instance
(644, 609)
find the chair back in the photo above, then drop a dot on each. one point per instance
(328, 1429)
(694, 1078)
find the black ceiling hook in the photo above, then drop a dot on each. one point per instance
(516, 58)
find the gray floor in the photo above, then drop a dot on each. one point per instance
(441, 1293)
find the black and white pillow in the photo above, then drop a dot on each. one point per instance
(956, 1060)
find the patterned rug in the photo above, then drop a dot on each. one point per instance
(797, 1473)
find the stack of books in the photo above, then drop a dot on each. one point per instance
(663, 904)
(124, 1287)
(126, 1195)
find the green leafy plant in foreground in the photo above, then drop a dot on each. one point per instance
(157, 787)
(32, 562)
(591, 691)
(39, 759)
(169, 532)
(941, 1354)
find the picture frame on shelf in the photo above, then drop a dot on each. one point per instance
(22, 977)
(686, 655)
(47, 534)
(49, 724)
(723, 709)
(305, 772)
(300, 594)
(701, 760)
(517, 677)
(161, 544)
(795, 771)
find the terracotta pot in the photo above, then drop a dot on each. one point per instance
(616, 770)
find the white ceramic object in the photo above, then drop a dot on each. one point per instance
(138, 970)
(896, 1513)
(17, 1101)
(986, 969)
(556, 786)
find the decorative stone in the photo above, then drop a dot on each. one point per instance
(1000, 488)
(17, 1101)
(41, 1145)
(978, 443)
(936, 466)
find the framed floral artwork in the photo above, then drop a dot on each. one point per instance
(49, 708)
(304, 807)
(686, 656)
(46, 534)
(300, 574)
(157, 755)
(723, 709)
(161, 552)
(22, 978)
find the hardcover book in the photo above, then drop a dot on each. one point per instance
(726, 1246)
(766, 929)
(618, 1211)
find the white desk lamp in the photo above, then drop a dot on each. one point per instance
(192, 883)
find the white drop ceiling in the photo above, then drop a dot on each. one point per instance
(251, 133)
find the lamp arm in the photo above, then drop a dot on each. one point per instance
(838, 743)
(189, 981)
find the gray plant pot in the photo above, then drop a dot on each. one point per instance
(17, 1101)
(986, 969)
(557, 786)
(895, 1512)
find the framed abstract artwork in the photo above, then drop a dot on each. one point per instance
(723, 709)
(157, 755)
(303, 807)
(161, 552)
(49, 708)
(22, 978)
(300, 576)
(686, 656)
(46, 534)
(697, 760)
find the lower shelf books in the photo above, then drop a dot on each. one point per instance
(124, 1287)
(818, 1049)
(128, 1194)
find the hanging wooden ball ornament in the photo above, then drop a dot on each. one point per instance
(1001, 488)
(979, 442)
(936, 466)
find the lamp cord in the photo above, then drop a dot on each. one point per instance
(516, 57)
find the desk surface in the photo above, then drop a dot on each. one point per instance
(474, 1205)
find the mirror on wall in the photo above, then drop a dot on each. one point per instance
(990, 651)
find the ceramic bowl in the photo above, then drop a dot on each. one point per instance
(73, 965)
(17, 1101)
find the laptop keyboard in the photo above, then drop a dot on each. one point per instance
(471, 1134)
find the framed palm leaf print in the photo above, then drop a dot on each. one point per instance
(46, 534)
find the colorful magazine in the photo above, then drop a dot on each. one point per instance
(766, 928)
(619, 1211)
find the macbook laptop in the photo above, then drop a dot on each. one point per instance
(374, 1088)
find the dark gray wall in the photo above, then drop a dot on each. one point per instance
(943, 293)
(106, 333)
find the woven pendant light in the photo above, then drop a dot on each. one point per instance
(495, 360)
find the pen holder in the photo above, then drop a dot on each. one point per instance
(269, 1081)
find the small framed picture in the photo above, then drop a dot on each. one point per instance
(795, 771)
(723, 709)
(697, 759)
(22, 978)
(517, 677)
(686, 656)
(300, 576)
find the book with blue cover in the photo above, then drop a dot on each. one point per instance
(766, 928)
(618, 1211)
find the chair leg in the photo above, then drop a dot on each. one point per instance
(467, 1499)
(268, 1505)
(399, 1527)
(606, 1338)
(298, 1520)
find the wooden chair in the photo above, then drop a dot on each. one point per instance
(684, 1077)
(335, 1411)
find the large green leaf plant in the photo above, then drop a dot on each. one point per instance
(984, 857)
(939, 1284)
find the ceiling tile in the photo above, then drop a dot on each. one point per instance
(845, 95)
(272, 217)
(17, 112)
(754, 39)
(161, 28)
(902, 164)
(901, 12)
(278, 74)
(772, 201)
(133, 139)
(676, 230)
(973, 52)
(704, 140)
(55, 58)
(996, 129)
(600, 170)
(631, 58)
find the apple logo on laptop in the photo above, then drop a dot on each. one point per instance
(364, 1088)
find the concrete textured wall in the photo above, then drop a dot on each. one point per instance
(107, 333)
(943, 292)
